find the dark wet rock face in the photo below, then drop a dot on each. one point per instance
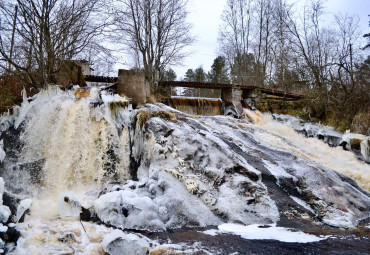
(9, 234)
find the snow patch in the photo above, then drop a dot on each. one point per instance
(268, 232)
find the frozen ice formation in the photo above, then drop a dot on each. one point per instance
(155, 168)
(69, 205)
(118, 243)
(2, 152)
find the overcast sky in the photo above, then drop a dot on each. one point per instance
(205, 18)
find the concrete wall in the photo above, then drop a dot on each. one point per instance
(133, 85)
(70, 72)
(232, 98)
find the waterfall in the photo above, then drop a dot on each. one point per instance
(198, 106)
(80, 141)
(65, 153)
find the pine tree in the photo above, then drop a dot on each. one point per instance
(219, 72)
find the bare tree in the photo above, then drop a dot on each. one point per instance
(264, 20)
(281, 49)
(47, 33)
(235, 38)
(313, 44)
(155, 32)
(346, 88)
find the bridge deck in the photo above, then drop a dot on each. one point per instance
(206, 85)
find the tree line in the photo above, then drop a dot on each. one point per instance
(270, 43)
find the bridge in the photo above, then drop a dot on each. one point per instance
(135, 86)
(223, 86)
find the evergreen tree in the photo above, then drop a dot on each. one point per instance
(189, 75)
(167, 75)
(219, 72)
(243, 69)
(200, 75)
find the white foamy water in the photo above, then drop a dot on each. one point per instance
(73, 139)
(282, 137)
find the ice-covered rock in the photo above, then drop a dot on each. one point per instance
(22, 209)
(353, 142)
(69, 205)
(4, 213)
(154, 204)
(330, 136)
(119, 243)
(2, 152)
(1, 190)
(154, 168)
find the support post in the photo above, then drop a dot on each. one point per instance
(133, 85)
(232, 101)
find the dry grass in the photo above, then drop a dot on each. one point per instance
(151, 99)
(361, 123)
(142, 117)
(11, 92)
(167, 115)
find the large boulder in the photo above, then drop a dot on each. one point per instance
(119, 243)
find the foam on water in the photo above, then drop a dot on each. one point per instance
(75, 145)
(279, 136)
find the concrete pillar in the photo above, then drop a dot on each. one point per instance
(232, 99)
(134, 85)
(251, 97)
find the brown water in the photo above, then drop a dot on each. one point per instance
(198, 106)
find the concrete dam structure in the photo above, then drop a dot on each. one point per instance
(232, 97)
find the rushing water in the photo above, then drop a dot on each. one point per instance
(280, 136)
(198, 106)
(155, 168)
